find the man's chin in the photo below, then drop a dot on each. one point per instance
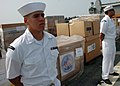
(41, 27)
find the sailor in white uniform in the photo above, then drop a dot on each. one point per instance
(107, 38)
(31, 59)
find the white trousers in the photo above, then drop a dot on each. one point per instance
(108, 50)
(56, 81)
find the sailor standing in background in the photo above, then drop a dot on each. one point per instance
(107, 39)
(31, 59)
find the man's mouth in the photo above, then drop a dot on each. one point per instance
(42, 24)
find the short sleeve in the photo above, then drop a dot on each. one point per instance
(13, 63)
(103, 26)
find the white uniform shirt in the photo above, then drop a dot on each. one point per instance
(107, 27)
(34, 60)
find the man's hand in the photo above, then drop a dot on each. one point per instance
(101, 39)
(16, 81)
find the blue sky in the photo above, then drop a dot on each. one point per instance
(9, 13)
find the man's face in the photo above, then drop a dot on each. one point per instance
(112, 12)
(35, 21)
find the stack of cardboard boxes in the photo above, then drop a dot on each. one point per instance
(87, 28)
(71, 58)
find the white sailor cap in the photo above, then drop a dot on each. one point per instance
(107, 8)
(31, 7)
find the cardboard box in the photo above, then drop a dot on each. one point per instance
(52, 20)
(9, 32)
(52, 30)
(62, 29)
(96, 26)
(71, 59)
(92, 47)
(82, 28)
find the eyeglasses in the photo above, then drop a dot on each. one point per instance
(38, 15)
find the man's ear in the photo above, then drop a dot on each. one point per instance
(25, 20)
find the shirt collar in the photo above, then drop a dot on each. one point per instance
(31, 39)
(108, 17)
(47, 35)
